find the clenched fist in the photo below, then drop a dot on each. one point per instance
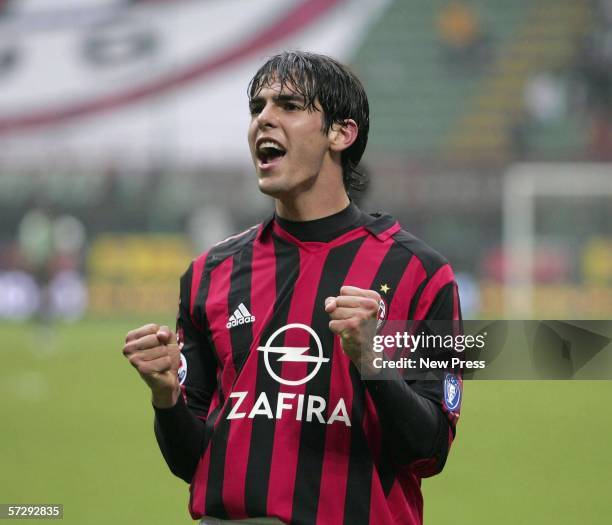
(353, 316)
(154, 352)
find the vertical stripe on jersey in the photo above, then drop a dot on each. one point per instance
(380, 508)
(263, 293)
(412, 277)
(406, 494)
(410, 283)
(217, 313)
(362, 274)
(366, 438)
(389, 273)
(442, 277)
(415, 300)
(198, 285)
(240, 337)
(262, 434)
(203, 266)
(240, 295)
(357, 500)
(287, 432)
(200, 480)
(199, 484)
(200, 290)
(312, 438)
(216, 468)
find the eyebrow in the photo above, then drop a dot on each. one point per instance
(282, 97)
(289, 98)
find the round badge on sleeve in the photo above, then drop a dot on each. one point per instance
(182, 371)
(452, 392)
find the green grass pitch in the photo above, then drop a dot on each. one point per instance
(76, 428)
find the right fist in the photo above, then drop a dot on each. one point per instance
(154, 352)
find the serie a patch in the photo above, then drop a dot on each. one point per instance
(182, 371)
(452, 392)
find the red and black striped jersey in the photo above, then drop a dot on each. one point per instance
(291, 429)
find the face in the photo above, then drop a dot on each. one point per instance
(287, 143)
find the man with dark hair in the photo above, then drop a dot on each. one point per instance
(259, 401)
(337, 90)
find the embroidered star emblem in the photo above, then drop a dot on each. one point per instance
(384, 288)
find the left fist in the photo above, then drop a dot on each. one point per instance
(353, 316)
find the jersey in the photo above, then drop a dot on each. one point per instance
(292, 431)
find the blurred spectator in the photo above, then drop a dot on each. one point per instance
(67, 295)
(545, 102)
(52, 287)
(19, 295)
(36, 244)
(35, 240)
(464, 41)
(67, 290)
(545, 97)
(68, 236)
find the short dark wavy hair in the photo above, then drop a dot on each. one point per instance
(338, 91)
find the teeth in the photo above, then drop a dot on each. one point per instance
(269, 144)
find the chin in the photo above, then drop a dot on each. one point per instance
(270, 187)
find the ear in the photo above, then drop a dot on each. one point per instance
(342, 135)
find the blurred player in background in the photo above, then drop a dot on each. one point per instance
(259, 403)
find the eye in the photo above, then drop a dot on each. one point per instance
(291, 106)
(255, 108)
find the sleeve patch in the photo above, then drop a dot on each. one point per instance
(452, 392)
(182, 371)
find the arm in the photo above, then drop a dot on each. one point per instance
(180, 436)
(415, 424)
(181, 429)
(180, 406)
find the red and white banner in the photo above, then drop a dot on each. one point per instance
(151, 79)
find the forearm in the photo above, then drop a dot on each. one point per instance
(180, 436)
(414, 427)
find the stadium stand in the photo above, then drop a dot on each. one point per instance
(425, 107)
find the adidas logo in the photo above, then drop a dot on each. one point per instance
(240, 316)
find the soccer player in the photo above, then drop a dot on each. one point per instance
(259, 403)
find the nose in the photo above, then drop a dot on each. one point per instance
(267, 117)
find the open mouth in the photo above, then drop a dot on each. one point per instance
(269, 153)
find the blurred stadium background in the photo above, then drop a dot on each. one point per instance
(123, 153)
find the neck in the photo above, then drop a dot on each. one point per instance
(325, 229)
(312, 205)
(300, 211)
(318, 196)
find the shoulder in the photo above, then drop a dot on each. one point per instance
(210, 259)
(232, 245)
(406, 245)
(430, 259)
(207, 261)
